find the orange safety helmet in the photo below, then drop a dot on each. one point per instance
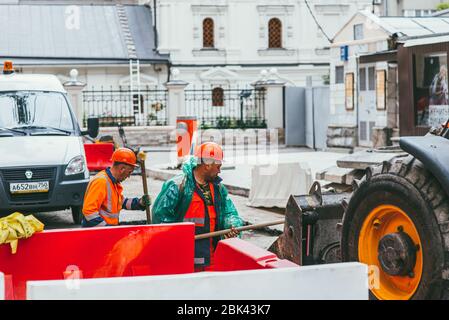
(124, 155)
(209, 151)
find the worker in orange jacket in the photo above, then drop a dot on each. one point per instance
(103, 200)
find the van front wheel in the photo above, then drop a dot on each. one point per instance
(77, 215)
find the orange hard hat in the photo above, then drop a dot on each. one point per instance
(124, 155)
(209, 151)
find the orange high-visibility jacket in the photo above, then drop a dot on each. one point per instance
(205, 218)
(104, 200)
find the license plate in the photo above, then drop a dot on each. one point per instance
(29, 187)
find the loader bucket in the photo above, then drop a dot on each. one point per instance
(311, 234)
(98, 155)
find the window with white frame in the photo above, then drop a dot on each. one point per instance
(208, 33)
(417, 12)
(362, 79)
(358, 31)
(371, 78)
(217, 97)
(276, 29)
(275, 34)
(339, 74)
(209, 28)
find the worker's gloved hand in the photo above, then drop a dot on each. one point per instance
(232, 234)
(145, 201)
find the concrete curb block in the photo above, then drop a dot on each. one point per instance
(159, 174)
(2, 286)
(238, 191)
(343, 281)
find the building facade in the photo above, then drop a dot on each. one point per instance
(99, 40)
(406, 8)
(112, 48)
(230, 42)
(73, 2)
(364, 104)
(423, 85)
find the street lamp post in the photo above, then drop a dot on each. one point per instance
(244, 94)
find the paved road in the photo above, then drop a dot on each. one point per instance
(133, 188)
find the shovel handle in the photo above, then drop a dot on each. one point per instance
(142, 157)
(244, 228)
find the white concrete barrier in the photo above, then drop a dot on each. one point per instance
(274, 187)
(347, 281)
(2, 286)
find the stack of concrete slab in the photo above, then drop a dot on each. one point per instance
(364, 159)
(339, 175)
(353, 166)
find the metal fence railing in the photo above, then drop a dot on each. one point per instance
(218, 107)
(146, 107)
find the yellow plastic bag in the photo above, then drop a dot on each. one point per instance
(16, 226)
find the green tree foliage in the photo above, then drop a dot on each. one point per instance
(443, 6)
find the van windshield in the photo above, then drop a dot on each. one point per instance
(35, 110)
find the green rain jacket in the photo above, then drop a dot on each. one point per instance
(174, 199)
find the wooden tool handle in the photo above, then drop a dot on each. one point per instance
(142, 157)
(249, 227)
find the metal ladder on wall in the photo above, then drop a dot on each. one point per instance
(134, 87)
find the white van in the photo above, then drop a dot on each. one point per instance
(42, 160)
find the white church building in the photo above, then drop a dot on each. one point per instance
(230, 43)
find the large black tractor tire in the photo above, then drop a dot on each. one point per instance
(402, 183)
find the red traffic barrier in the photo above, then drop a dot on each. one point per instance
(122, 251)
(235, 254)
(98, 155)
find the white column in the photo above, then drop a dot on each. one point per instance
(74, 90)
(163, 26)
(274, 103)
(176, 100)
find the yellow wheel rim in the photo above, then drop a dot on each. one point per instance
(382, 221)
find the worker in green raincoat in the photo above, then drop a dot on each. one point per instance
(197, 195)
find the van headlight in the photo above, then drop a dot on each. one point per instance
(75, 166)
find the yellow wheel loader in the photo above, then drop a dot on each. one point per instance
(395, 220)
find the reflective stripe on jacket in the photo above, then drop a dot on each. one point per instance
(205, 218)
(103, 201)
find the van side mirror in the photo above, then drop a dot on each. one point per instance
(93, 126)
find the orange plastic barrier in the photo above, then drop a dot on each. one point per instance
(98, 155)
(98, 253)
(235, 254)
(186, 128)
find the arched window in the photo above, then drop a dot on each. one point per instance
(275, 33)
(217, 97)
(208, 33)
